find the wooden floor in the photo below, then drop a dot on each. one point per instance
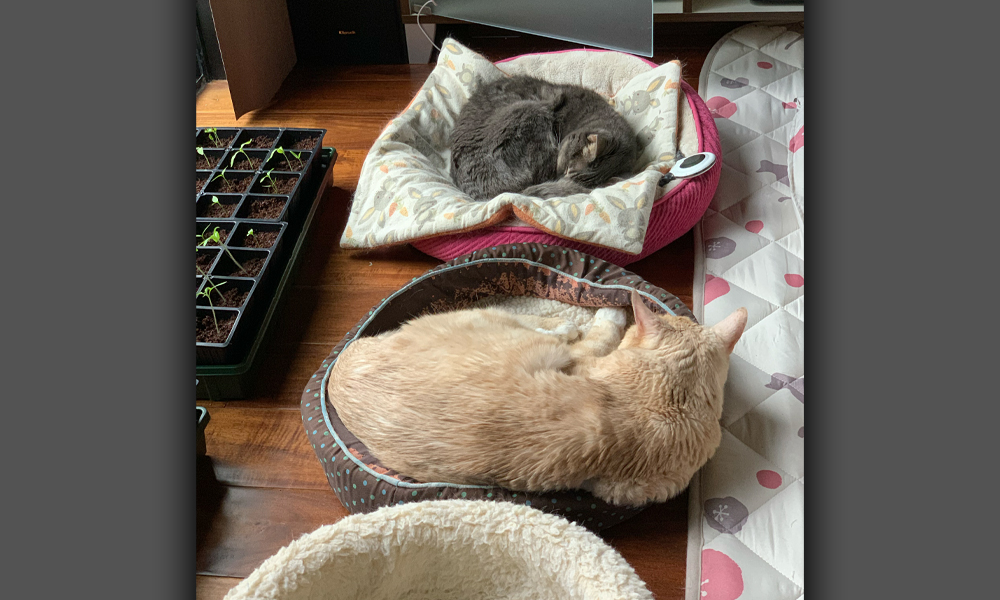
(262, 486)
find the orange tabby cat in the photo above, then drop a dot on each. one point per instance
(491, 398)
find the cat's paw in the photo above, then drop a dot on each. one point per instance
(566, 330)
(612, 314)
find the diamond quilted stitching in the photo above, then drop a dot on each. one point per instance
(762, 116)
(731, 52)
(759, 68)
(758, 36)
(787, 89)
(783, 135)
(767, 213)
(733, 473)
(774, 345)
(753, 580)
(730, 88)
(731, 298)
(733, 187)
(727, 243)
(787, 47)
(794, 241)
(734, 134)
(771, 429)
(762, 158)
(797, 308)
(775, 532)
(772, 273)
(746, 387)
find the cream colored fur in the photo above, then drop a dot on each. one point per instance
(487, 397)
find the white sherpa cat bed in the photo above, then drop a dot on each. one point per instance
(448, 550)
(405, 193)
(546, 280)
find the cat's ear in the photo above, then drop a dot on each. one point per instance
(645, 319)
(595, 146)
(731, 328)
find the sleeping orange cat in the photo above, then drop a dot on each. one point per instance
(490, 398)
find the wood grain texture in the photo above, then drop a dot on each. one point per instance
(244, 526)
(262, 447)
(211, 587)
(261, 486)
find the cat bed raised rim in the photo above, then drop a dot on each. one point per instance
(554, 272)
(446, 550)
(672, 215)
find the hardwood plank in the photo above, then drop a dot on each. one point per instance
(262, 447)
(240, 527)
(654, 542)
(210, 587)
(284, 375)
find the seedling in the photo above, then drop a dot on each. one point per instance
(296, 155)
(215, 200)
(201, 151)
(221, 174)
(213, 134)
(206, 293)
(241, 150)
(273, 185)
(250, 233)
(215, 237)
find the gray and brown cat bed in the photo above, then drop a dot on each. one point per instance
(521, 274)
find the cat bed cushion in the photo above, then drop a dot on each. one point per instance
(450, 550)
(405, 192)
(538, 271)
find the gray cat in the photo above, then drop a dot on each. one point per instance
(522, 134)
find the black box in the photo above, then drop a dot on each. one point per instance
(348, 32)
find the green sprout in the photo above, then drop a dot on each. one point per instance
(221, 174)
(215, 237)
(206, 293)
(201, 151)
(250, 233)
(296, 155)
(232, 161)
(213, 134)
(273, 185)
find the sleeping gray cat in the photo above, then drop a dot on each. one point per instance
(523, 134)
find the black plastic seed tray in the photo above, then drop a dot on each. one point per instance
(225, 367)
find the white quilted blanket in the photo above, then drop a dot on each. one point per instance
(405, 192)
(746, 515)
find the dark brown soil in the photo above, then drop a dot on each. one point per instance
(198, 183)
(251, 268)
(207, 142)
(247, 164)
(260, 239)
(223, 234)
(282, 185)
(305, 144)
(284, 164)
(212, 210)
(262, 141)
(205, 162)
(229, 297)
(233, 186)
(265, 208)
(206, 331)
(203, 261)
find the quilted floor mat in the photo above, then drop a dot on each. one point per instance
(745, 537)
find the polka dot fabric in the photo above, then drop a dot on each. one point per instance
(360, 481)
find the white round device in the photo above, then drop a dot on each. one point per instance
(693, 165)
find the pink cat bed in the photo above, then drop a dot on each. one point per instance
(673, 214)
